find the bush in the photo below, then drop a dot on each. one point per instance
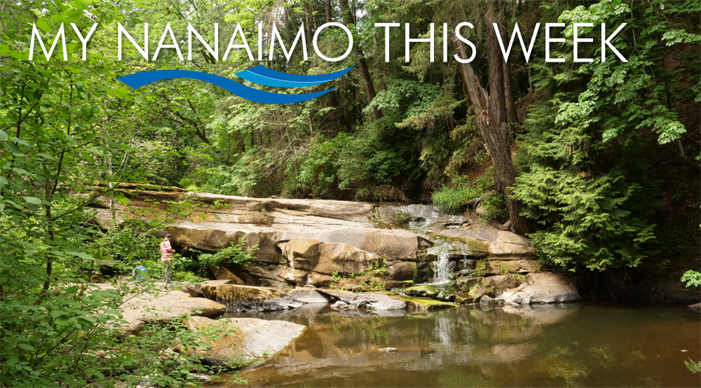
(691, 278)
(234, 254)
(453, 200)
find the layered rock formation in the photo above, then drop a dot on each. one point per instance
(324, 243)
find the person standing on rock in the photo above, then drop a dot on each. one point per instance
(166, 257)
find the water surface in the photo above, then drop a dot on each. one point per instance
(585, 345)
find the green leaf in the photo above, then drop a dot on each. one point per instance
(41, 23)
(26, 347)
(12, 147)
(33, 200)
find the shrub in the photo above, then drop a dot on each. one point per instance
(234, 254)
(453, 200)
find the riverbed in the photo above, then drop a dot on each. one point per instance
(580, 345)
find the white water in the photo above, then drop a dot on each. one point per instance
(421, 217)
(441, 267)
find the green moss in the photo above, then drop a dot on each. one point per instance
(428, 303)
(476, 246)
(480, 268)
(422, 288)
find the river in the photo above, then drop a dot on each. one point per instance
(580, 345)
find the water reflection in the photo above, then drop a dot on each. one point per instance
(563, 345)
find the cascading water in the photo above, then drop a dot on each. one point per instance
(441, 267)
(428, 220)
(417, 218)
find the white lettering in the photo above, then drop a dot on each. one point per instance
(215, 53)
(408, 41)
(607, 42)
(121, 30)
(85, 40)
(288, 54)
(387, 27)
(462, 39)
(316, 37)
(238, 30)
(514, 34)
(549, 40)
(577, 39)
(168, 31)
(59, 35)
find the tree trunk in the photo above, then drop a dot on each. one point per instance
(490, 111)
(511, 113)
(327, 7)
(362, 64)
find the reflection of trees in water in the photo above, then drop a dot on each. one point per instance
(541, 346)
(574, 366)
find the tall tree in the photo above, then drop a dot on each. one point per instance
(490, 111)
(361, 62)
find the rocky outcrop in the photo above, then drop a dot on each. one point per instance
(326, 258)
(345, 300)
(307, 295)
(238, 298)
(164, 306)
(242, 340)
(540, 288)
(498, 243)
(326, 243)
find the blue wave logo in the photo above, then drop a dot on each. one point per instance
(260, 75)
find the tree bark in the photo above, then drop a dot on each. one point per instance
(490, 111)
(511, 113)
(361, 63)
(327, 8)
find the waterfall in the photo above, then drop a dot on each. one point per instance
(441, 267)
(421, 217)
(417, 218)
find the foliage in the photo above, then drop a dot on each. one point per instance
(691, 278)
(65, 125)
(234, 254)
(453, 200)
(584, 183)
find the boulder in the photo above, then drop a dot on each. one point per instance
(542, 288)
(501, 283)
(301, 253)
(343, 259)
(401, 271)
(246, 339)
(223, 273)
(319, 280)
(486, 300)
(307, 295)
(325, 258)
(394, 244)
(294, 275)
(364, 301)
(423, 305)
(498, 243)
(164, 306)
(238, 298)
